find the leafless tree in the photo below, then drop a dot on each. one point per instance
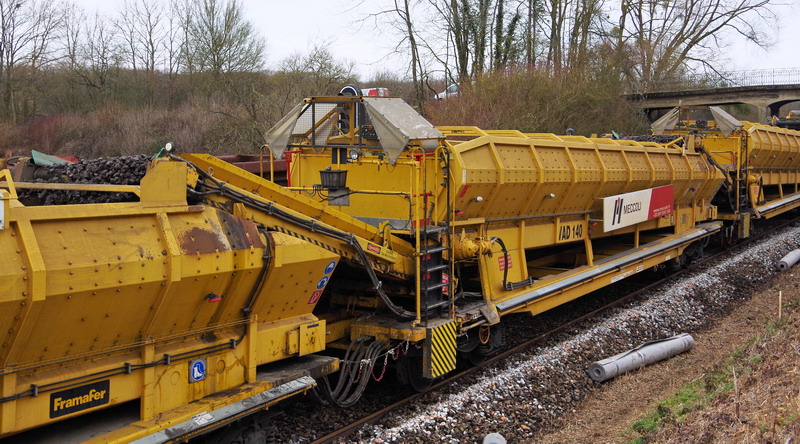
(98, 57)
(659, 38)
(220, 39)
(28, 29)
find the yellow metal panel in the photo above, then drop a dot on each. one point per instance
(311, 338)
(568, 175)
(296, 279)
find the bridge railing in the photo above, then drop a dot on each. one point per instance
(732, 79)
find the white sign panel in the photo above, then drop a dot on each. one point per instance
(628, 209)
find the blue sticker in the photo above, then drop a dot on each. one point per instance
(330, 267)
(197, 370)
(322, 282)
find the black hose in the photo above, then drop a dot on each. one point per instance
(505, 258)
(271, 209)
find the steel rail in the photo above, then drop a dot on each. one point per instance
(345, 431)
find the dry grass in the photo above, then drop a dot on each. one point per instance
(113, 131)
(766, 353)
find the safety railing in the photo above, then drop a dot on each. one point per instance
(730, 79)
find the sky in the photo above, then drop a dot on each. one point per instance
(294, 26)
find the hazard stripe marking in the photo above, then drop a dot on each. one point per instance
(443, 349)
(311, 241)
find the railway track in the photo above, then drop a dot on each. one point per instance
(373, 417)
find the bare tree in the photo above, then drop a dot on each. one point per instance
(220, 39)
(317, 71)
(98, 57)
(531, 22)
(660, 38)
(28, 31)
(505, 48)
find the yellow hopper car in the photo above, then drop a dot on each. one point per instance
(215, 293)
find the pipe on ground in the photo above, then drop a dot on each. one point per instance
(790, 259)
(645, 354)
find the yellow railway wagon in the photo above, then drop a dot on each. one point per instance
(165, 309)
(521, 219)
(219, 293)
(761, 162)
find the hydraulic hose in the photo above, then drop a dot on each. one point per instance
(215, 186)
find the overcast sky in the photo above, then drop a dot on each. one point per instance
(294, 26)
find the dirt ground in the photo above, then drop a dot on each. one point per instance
(762, 405)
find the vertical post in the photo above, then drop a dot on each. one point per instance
(272, 168)
(415, 195)
(587, 244)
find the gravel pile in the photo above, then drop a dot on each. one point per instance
(658, 138)
(126, 170)
(531, 391)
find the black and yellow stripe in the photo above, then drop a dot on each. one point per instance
(440, 350)
(311, 240)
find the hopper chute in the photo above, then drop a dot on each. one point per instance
(324, 122)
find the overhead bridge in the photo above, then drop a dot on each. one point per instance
(766, 90)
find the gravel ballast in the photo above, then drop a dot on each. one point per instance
(531, 391)
(125, 170)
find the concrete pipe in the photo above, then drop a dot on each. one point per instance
(790, 259)
(645, 354)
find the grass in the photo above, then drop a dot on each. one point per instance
(700, 393)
